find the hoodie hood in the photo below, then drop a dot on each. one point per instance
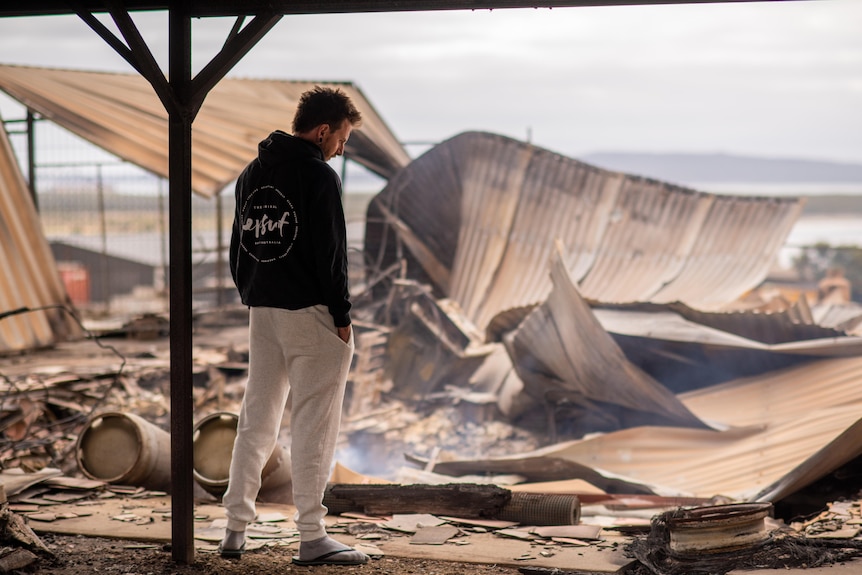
(278, 144)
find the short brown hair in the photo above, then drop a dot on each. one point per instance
(324, 106)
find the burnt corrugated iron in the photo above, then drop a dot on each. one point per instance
(687, 349)
(568, 361)
(794, 323)
(781, 432)
(483, 212)
(846, 317)
(121, 113)
(33, 300)
(744, 328)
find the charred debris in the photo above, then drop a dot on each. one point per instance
(522, 318)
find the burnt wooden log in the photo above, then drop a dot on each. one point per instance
(467, 500)
(464, 500)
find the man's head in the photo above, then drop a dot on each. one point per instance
(325, 117)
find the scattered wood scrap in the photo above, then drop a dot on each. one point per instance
(17, 540)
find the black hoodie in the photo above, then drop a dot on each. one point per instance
(288, 246)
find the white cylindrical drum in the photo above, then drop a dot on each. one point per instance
(213, 439)
(125, 449)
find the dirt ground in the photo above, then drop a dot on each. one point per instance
(78, 555)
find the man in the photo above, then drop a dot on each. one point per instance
(288, 258)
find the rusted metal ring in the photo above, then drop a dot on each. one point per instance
(717, 529)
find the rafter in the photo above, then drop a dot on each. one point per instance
(236, 46)
(205, 8)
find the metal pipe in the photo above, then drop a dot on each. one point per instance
(163, 245)
(542, 509)
(31, 157)
(219, 267)
(103, 224)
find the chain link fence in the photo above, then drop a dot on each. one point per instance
(106, 221)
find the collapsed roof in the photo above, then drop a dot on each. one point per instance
(563, 354)
(483, 219)
(782, 431)
(478, 216)
(759, 438)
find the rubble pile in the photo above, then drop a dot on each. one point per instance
(581, 332)
(840, 520)
(46, 402)
(42, 413)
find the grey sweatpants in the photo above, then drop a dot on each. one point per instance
(301, 347)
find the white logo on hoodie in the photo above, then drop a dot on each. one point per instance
(269, 224)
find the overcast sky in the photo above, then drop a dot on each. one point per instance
(773, 79)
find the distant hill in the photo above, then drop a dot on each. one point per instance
(833, 206)
(717, 168)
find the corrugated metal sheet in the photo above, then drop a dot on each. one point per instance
(671, 344)
(28, 272)
(784, 430)
(846, 317)
(736, 245)
(561, 350)
(794, 323)
(122, 114)
(668, 325)
(490, 208)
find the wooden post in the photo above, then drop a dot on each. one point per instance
(180, 216)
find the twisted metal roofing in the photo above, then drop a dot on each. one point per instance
(483, 212)
(122, 114)
(846, 317)
(669, 325)
(561, 350)
(29, 278)
(782, 431)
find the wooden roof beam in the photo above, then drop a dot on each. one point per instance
(206, 8)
